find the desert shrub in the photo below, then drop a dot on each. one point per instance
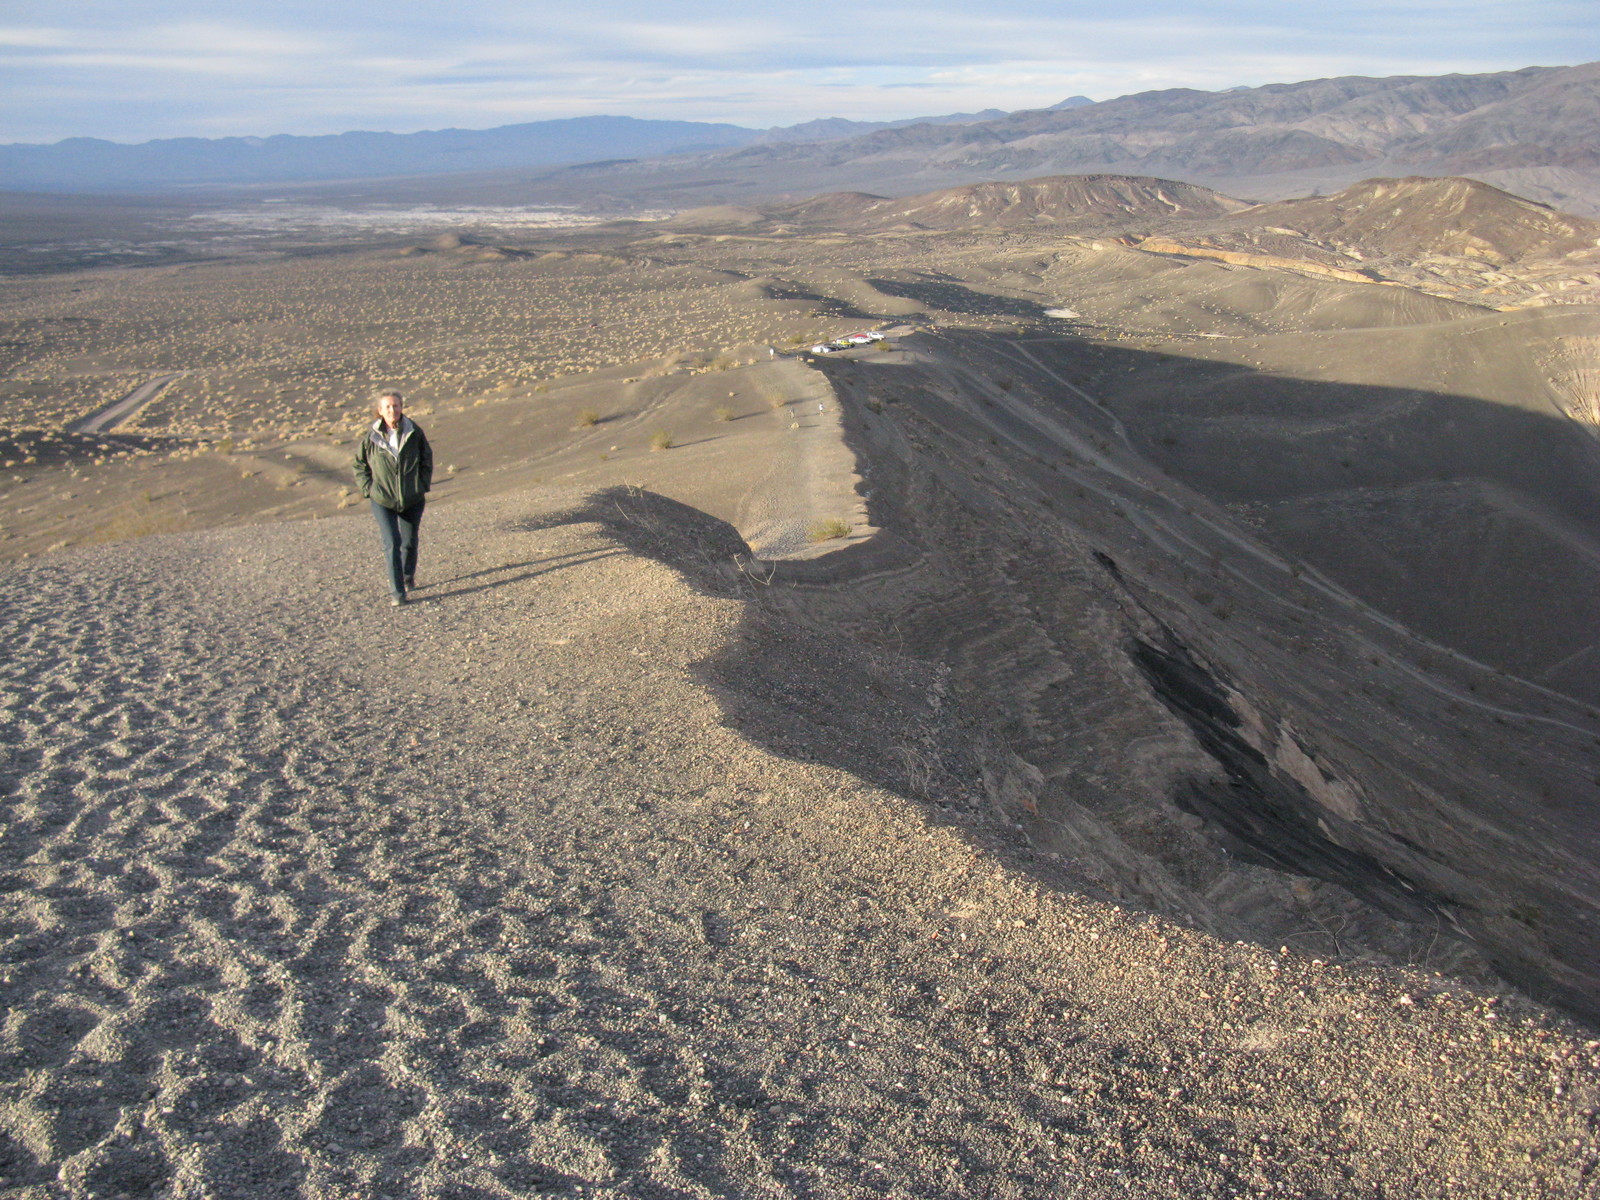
(920, 769)
(588, 417)
(830, 529)
(661, 440)
(136, 519)
(724, 413)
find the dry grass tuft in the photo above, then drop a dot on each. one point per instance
(829, 530)
(661, 440)
(136, 519)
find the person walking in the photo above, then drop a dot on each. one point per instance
(394, 470)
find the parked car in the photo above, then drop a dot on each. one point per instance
(849, 341)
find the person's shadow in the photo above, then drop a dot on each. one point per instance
(501, 576)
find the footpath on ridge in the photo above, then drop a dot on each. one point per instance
(551, 883)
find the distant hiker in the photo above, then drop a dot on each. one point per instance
(394, 470)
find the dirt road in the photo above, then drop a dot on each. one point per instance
(107, 418)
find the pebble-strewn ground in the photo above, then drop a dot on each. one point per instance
(484, 897)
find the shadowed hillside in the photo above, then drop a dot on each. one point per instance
(1347, 689)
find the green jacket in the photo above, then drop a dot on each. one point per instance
(396, 481)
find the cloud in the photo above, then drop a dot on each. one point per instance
(33, 38)
(183, 48)
(171, 67)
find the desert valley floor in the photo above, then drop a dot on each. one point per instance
(1129, 733)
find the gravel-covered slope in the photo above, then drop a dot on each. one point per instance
(492, 897)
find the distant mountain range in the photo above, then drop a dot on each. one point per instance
(1536, 116)
(1534, 131)
(92, 164)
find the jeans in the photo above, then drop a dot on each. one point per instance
(399, 533)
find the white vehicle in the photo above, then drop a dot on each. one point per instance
(849, 341)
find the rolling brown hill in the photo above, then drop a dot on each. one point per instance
(1455, 237)
(1420, 215)
(1052, 199)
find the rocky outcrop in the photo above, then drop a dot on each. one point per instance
(1160, 245)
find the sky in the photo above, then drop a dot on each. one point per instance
(133, 70)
